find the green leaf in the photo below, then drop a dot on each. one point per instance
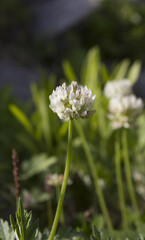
(27, 142)
(141, 228)
(63, 130)
(42, 117)
(98, 235)
(21, 117)
(36, 165)
(68, 71)
(134, 71)
(90, 69)
(35, 93)
(25, 227)
(6, 232)
(45, 121)
(120, 70)
(104, 72)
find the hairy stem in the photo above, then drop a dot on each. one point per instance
(64, 183)
(62, 212)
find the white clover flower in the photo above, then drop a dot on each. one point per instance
(85, 178)
(123, 111)
(117, 88)
(102, 183)
(54, 179)
(72, 102)
(138, 176)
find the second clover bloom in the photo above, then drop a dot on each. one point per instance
(72, 102)
(123, 111)
(118, 88)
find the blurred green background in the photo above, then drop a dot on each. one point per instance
(114, 31)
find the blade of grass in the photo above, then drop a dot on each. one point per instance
(120, 70)
(22, 118)
(90, 69)
(134, 71)
(94, 175)
(68, 71)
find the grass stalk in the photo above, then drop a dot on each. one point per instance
(128, 171)
(95, 176)
(119, 180)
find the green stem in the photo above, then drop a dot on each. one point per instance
(128, 171)
(64, 183)
(62, 213)
(95, 176)
(119, 181)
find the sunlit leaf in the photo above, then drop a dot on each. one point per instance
(134, 71)
(120, 70)
(104, 72)
(44, 115)
(90, 69)
(21, 117)
(68, 71)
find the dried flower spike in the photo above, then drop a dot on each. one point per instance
(118, 88)
(72, 102)
(16, 173)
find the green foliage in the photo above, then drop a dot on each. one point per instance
(41, 138)
(22, 118)
(98, 235)
(90, 68)
(120, 70)
(118, 235)
(124, 70)
(8, 130)
(119, 34)
(69, 234)
(38, 134)
(134, 71)
(68, 71)
(24, 227)
(36, 165)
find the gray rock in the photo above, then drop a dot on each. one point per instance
(19, 78)
(52, 17)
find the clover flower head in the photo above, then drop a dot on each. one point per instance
(118, 88)
(123, 111)
(54, 179)
(72, 102)
(138, 176)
